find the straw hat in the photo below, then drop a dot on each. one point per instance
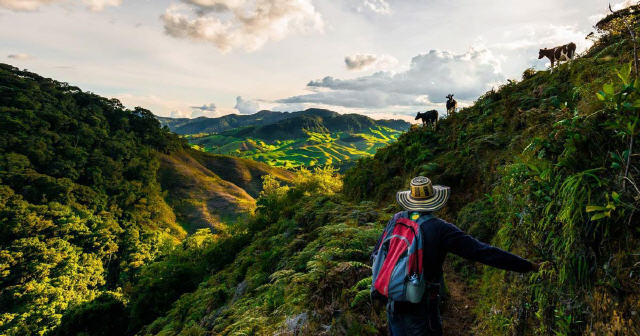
(423, 196)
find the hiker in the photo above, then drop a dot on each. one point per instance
(408, 258)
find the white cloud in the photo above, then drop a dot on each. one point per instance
(245, 106)
(623, 4)
(538, 36)
(206, 110)
(360, 62)
(26, 5)
(246, 24)
(98, 5)
(376, 6)
(20, 56)
(33, 5)
(430, 77)
(171, 107)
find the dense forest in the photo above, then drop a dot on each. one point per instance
(90, 193)
(92, 241)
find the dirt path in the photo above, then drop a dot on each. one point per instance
(457, 317)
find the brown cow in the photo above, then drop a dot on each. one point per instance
(562, 53)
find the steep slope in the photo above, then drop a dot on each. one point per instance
(207, 191)
(536, 167)
(80, 206)
(91, 192)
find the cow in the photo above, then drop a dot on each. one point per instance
(429, 117)
(562, 53)
(452, 104)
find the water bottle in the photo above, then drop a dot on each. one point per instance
(415, 288)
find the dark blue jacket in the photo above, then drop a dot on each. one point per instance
(441, 237)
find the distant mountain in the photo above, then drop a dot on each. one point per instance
(215, 125)
(332, 120)
(291, 139)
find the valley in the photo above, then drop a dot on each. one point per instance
(307, 138)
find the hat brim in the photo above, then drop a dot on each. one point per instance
(436, 202)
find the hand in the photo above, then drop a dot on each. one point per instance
(535, 267)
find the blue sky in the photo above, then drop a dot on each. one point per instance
(383, 58)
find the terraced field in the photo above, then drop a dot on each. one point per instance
(315, 149)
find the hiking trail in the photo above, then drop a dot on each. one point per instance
(457, 316)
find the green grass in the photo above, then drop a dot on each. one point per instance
(316, 149)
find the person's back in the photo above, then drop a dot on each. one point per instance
(438, 238)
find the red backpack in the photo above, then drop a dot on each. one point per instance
(397, 260)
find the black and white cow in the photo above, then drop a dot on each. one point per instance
(452, 104)
(558, 54)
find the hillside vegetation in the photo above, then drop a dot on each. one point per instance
(313, 137)
(90, 193)
(537, 167)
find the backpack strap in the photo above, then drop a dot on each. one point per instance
(390, 224)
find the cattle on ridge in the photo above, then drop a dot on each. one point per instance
(558, 54)
(428, 118)
(452, 104)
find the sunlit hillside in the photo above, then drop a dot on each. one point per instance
(308, 138)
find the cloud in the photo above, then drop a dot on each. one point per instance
(538, 36)
(246, 106)
(211, 107)
(20, 56)
(245, 24)
(33, 5)
(203, 110)
(98, 5)
(26, 5)
(376, 6)
(360, 62)
(430, 77)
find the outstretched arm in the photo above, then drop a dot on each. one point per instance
(462, 244)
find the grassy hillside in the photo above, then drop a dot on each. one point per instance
(90, 193)
(207, 191)
(536, 167)
(313, 138)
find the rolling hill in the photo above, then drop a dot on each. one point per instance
(313, 137)
(91, 192)
(208, 191)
